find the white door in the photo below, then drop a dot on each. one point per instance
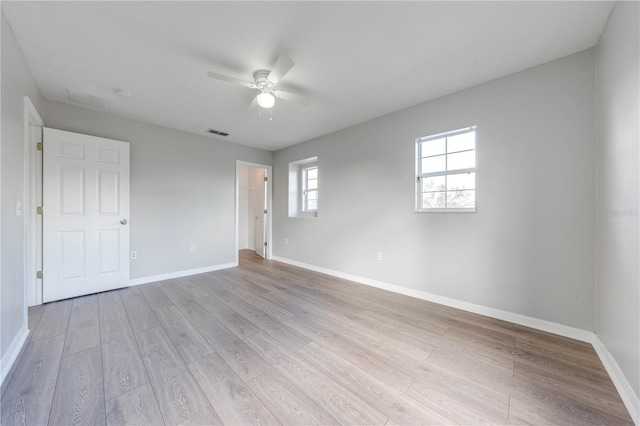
(85, 214)
(261, 213)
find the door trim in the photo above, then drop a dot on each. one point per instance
(32, 181)
(269, 169)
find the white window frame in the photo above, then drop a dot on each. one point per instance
(304, 191)
(421, 175)
(296, 198)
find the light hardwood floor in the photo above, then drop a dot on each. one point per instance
(267, 343)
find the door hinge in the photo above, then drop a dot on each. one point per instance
(39, 274)
(265, 212)
(265, 243)
(265, 178)
(39, 210)
(39, 146)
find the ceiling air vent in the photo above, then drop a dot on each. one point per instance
(87, 99)
(218, 132)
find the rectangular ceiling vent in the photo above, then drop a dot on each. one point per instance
(218, 132)
(87, 99)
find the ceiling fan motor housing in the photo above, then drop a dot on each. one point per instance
(261, 78)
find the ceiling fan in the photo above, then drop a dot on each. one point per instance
(266, 81)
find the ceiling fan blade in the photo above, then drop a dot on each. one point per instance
(292, 97)
(283, 65)
(228, 79)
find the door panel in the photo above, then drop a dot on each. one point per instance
(108, 197)
(71, 150)
(86, 213)
(72, 254)
(71, 187)
(108, 155)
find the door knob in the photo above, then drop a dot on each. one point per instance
(123, 221)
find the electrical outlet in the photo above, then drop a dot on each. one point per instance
(286, 241)
(134, 254)
(192, 248)
(379, 255)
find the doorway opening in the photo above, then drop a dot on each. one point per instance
(253, 208)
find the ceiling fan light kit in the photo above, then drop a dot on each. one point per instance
(266, 100)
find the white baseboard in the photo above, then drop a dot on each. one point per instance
(12, 353)
(179, 274)
(629, 397)
(548, 326)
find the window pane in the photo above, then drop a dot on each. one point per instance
(461, 181)
(312, 173)
(436, 183)
(312, 183)
(461, 142)
(434, 164)
(312, 205)
(461, 160)
(433, 200)
(434, 147)
(461, 199)
(312, 195)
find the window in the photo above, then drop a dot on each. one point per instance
(446, 172)
(309, 187)
(303, 188)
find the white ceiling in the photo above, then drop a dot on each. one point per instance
(356, 60)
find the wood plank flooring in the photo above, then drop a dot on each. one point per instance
(268, 343)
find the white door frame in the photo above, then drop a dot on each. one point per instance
(269, 170)
(32, 181)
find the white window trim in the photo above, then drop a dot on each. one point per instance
(419, 175)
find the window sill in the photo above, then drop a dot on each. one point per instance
(304, 215)
(446, 211)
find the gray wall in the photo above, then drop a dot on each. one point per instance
(182, 189)
(530, 248)
(618, 288)
(17, 82)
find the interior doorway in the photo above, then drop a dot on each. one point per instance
(253, 208)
